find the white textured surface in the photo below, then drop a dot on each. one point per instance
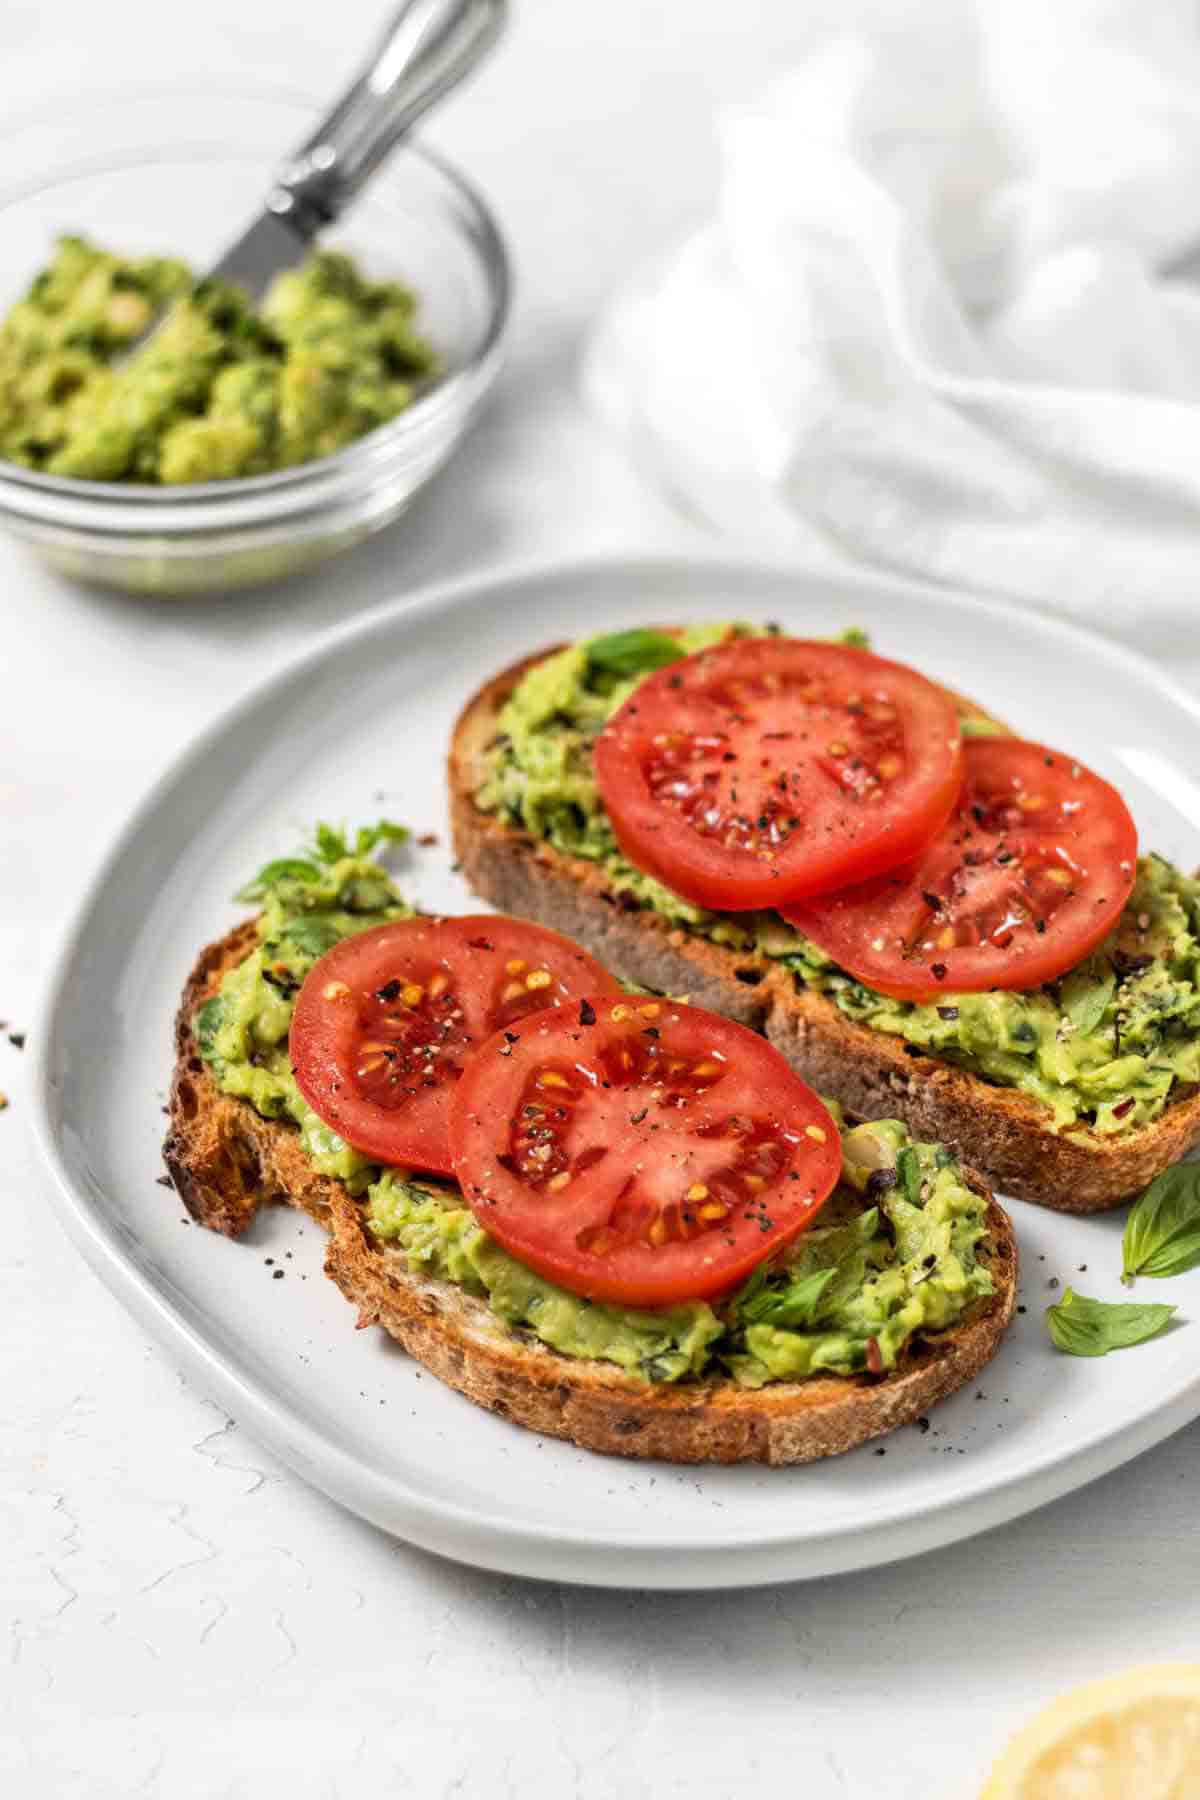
(181, 1618)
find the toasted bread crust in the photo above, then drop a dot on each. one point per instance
(226, 1161)
(224, 1158)
(1000, 1131)
(599, 1407)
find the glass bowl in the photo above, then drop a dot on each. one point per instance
(181, 170)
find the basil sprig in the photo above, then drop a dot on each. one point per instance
(1085, 997)
(635, 652)
(1084, 1327)
(793, 1307)
(331, 844)
(1162, 1233)
(908, 1168)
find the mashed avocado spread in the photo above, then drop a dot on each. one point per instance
(220, 390)
(1104, 1046)
(894, 1254)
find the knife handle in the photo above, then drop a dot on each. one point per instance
(427, 48)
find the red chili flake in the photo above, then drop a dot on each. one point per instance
(1120, 1111)
(587, 1013)
(938, 971)
(480, 943)
(427, 839)
(874, 1356)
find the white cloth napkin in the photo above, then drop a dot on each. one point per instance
(931, 325)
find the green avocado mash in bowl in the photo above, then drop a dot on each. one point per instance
(240, 444)
(220, 389)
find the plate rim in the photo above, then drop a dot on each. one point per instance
(469, 1534)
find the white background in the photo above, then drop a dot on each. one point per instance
(182, 1617)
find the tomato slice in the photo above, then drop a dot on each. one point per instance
(640, 1151)
(768, 769)
(1029, 874)
(385, 1020)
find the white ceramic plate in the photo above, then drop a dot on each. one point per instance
(358, 726)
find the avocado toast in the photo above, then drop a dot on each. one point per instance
(898, 1295)
(1075, 1096)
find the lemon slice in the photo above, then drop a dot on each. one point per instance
(1134, 1737)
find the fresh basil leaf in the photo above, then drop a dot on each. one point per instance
(331, 843)
(330, 846)
(753, 1285)
(633, 652)
(310, 935)
(285, 868)
(908, 1167)
(1085, 998)
(789, 1308)
(1162, 1232)
(384, 831)
(1084, 1327)
(207, 1023)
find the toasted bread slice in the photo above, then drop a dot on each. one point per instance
(226, 1161)
(1001, 1131)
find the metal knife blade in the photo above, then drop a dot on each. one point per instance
(271, 245)
(427, 47)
